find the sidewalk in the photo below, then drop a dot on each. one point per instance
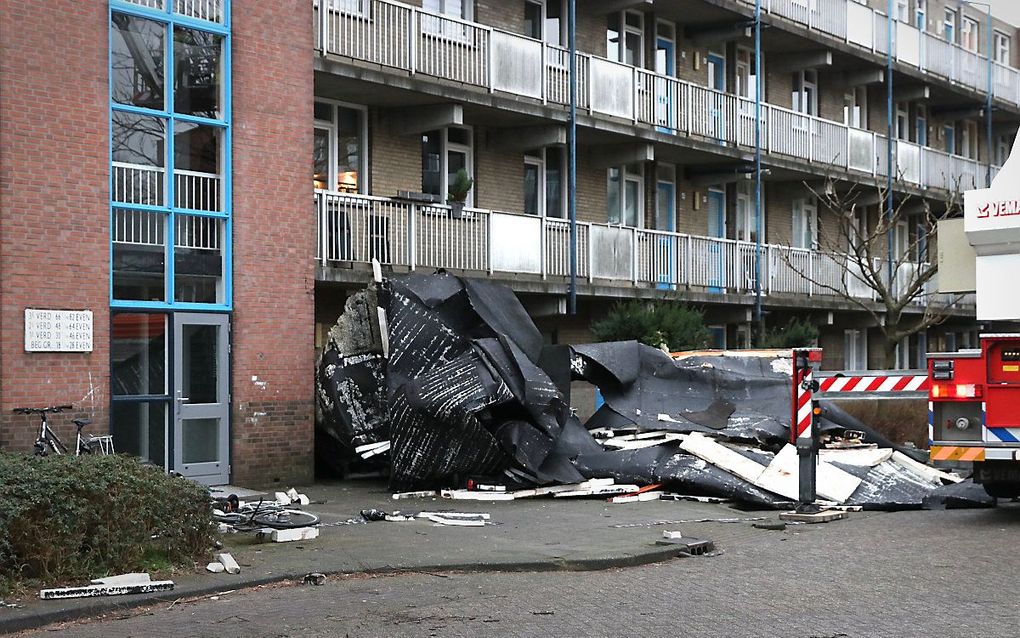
(539, 534)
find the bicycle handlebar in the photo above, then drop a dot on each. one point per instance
(52, 408)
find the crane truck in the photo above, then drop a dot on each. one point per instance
(974, 395)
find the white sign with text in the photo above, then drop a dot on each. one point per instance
(58, 330)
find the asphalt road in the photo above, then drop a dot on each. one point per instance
(926, 574)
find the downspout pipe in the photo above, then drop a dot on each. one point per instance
(758, 316)
(572, 154)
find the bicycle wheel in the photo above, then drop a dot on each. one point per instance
(285, 519)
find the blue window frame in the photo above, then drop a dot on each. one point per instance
(170, 180)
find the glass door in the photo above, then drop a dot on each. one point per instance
(717, 82)
(665, 215)
(200, 401)
(665, 65)
(717, 230)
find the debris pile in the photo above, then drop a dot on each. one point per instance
(440, 379)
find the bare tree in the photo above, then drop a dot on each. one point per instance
(885, 279)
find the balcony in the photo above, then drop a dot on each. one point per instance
(420, 43)
(406, 235)
(868, 28)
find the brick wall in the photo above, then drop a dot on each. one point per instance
(273, 354)
(54, 205)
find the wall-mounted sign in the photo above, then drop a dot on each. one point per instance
(58, 330)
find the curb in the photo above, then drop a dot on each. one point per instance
(106, 605)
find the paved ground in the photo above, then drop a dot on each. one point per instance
(904, 574)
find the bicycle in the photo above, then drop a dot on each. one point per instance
(255, 516)
(84, 444)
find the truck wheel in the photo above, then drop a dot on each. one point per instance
(1002, 489)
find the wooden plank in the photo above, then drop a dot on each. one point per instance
(781, 477)
(936, 477)
(722, 457)
(859, 457)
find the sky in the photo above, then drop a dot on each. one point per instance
(1008, 10)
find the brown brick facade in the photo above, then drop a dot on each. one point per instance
(54, 205)
(273, 323)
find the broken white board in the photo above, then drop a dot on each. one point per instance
(654, 495)
(92, 591)
(133, 578)
(932, 475)
(598, 490)
(859, 457)
(472, 495)
(722, 457)
(781, 477)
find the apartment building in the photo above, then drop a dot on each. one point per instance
(200, 270)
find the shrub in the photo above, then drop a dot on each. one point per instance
(66, 518)
(795, 334)
(674, 324)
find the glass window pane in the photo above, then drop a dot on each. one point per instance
(324, 112)
(138, 354)
(350, 149)
(613, 196)
(431, 164)
(200, 440)
(320, 161)
(198, 259)
(200, 377)
(139, 157)
(460, 136)
(633, 194)
(533, 20)
(137, 58)
(198, 75)
(554, 182)
(633, 52)
(197, 180)
(139, 255)
(613, 37)
(455, 161)
(633, 19)
(553, 22)
(139, 428)
(531, 189)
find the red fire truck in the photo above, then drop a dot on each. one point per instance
(974, 395)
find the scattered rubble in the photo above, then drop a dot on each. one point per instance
(442, 379)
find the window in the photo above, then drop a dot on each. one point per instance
(921, 125)
(625, 200)
(949, 132)
(456, 8)
(805, 223)
(1004, 146)
(969, 34)
(805, 92)
(169, 147)
(341, 147)
(625, 38)
(544, 182)
(747, 84)
(855, 350)
(968, 144)
(855, 111)
(443, 153)
(665, 48)
(746, 222)
(949, 25)
(546, 20)
(1002, 48)
(665, 197)
(902, 11)
(921, 15)
(902, 119)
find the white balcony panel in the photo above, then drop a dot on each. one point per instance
(908, 44)
(369, 30)
(861, 150)
(1006, 86)
(517, 243)
(860, 25)
(939, 57)
(612, 88)
(514, 62)
(612, 252)
(881, 29)
(908, 161)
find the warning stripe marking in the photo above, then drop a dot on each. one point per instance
(955, 453)
(879, 383)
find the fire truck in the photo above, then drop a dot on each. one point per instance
(974, 395)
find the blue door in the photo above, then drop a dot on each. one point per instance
(717, 229)
(665, 214)
(717, 81)
(665, 100)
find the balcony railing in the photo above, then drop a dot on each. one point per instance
(418, 42)
(358, 228)
(868, 28)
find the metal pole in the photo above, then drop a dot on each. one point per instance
(988, 100)
(891, 167)
(572, 155)
(757, 173)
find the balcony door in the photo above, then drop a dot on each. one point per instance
(717, 100)
(201, 408)
(665, 64)
(665, 219)
(717, 229)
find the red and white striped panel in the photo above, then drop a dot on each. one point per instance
(802, 412)
(877, 383)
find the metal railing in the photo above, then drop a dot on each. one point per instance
(395, 35)
(360, 228)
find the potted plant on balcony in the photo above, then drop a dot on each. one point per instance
(458, 192)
